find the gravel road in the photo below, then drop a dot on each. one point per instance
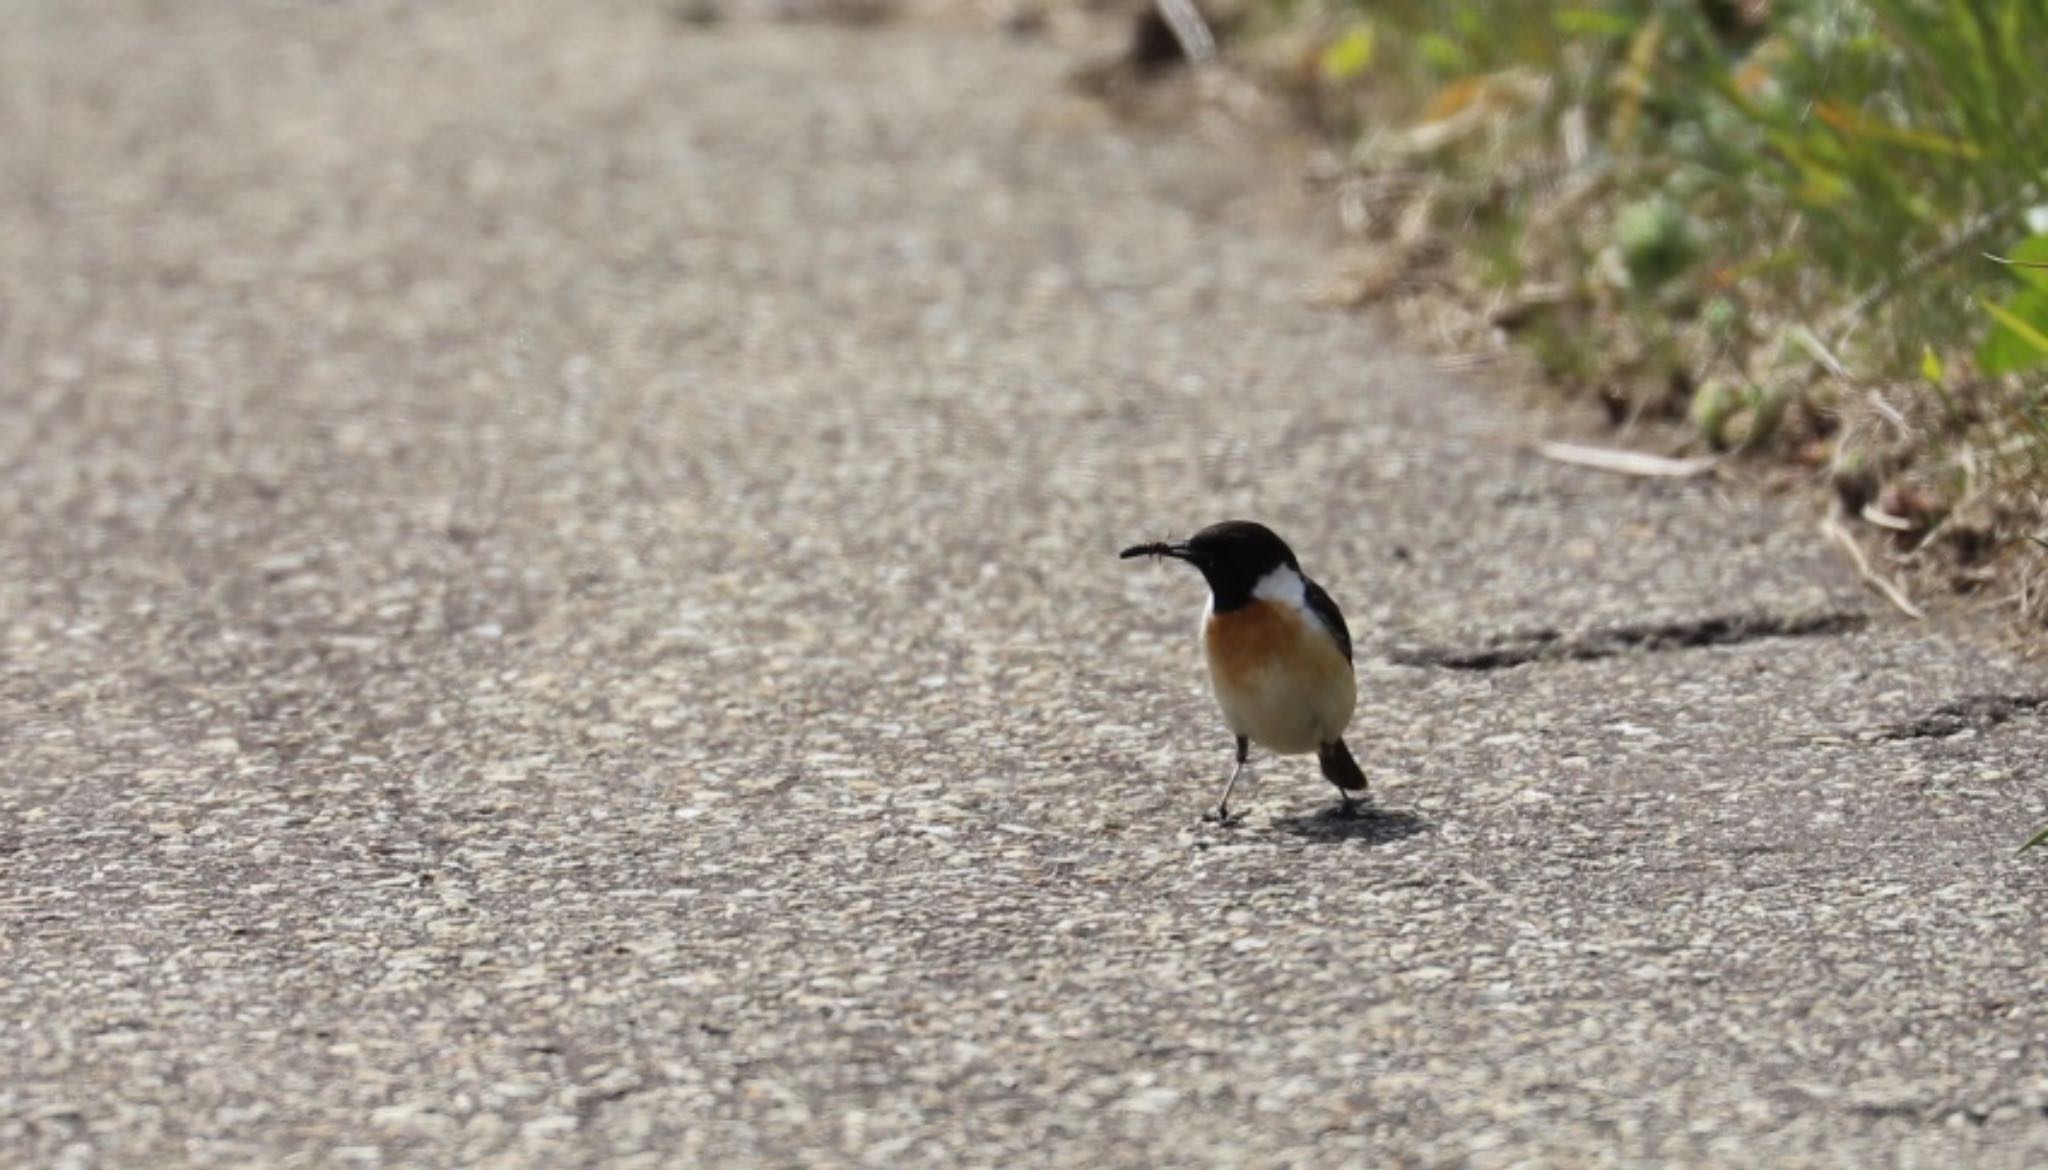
(560, 609)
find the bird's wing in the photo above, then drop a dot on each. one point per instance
(1320, 604)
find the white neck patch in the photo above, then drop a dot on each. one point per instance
(1284, 586)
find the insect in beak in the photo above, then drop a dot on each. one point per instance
(1156, 549)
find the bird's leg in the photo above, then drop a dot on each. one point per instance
(1352, 805)
(1222, 813)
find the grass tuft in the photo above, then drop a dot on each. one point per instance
(1816, 229)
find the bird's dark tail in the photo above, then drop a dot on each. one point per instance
(1339, 768)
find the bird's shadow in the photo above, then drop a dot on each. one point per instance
(1374, 826)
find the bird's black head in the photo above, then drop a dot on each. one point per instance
(1232, 556)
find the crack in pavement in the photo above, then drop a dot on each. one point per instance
(1519, 649)
(1972, 713)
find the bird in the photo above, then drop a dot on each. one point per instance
(1278, 650)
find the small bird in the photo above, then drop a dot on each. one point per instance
(1278, 649)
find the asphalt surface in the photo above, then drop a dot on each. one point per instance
(560, 609)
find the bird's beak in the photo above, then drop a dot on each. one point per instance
(1178, 552)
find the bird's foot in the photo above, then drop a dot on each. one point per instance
(1222, 817)
(1350, 810)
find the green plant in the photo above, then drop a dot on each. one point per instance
(1831, 167)
(2020, 340)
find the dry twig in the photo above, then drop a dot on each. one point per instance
(1196, 41)
(1833, 530)
(1636, 463)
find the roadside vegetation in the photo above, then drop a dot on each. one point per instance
(1815, 230)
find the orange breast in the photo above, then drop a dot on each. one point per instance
(1250, 639)
(1280, 680)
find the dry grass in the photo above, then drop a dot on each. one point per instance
(1744, 228)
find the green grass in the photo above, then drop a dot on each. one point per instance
(1793, 199)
